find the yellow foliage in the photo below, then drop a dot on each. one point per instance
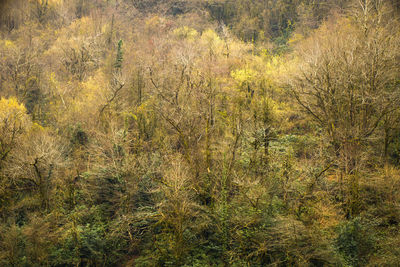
(153, 23)
(13, 118)
(211, 40)
(55, 2)
(243, 75)
(52, 3)
(210, 36)
(78, 29)
(9, 44)
(273, 65)
(36, 128)
(53, 79)
(296, 38)
(145, 106)
(104, 28)
(84, 25)
(131, 115)
(93, 88)
(186, 33)
(10, 109)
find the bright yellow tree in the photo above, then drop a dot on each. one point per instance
(13, 121)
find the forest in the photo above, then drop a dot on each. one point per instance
(199, 133)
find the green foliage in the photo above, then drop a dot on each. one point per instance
(355, 242)
(254, 20)
(12, 246)
(119, 59)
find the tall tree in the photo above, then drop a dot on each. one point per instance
(347, 82)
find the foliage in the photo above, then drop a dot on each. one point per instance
(217, 133)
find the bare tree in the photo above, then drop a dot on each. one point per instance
(347, 84)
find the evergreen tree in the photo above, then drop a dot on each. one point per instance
(120, 57)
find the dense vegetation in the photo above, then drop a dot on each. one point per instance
(199, 133)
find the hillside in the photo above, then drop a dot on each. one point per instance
(199, 133)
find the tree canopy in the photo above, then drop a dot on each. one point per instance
(199, 133)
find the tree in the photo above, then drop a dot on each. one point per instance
(119, 59)
(347, 82)
(13, 123)
(180, 216)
